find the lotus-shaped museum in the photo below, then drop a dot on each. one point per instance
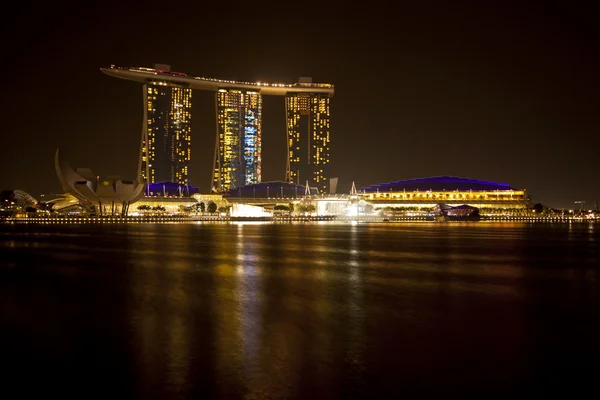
(109, 196)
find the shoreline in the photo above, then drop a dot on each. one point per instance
(228, 219)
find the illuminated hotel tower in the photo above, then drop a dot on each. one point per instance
(165, 147)
(237, 160)
(308, 139)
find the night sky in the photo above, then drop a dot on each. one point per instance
(503, 93)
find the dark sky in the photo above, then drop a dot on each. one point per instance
(506, 93)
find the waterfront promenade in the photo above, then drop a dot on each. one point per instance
(276, 219)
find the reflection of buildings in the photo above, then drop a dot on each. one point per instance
(158, 312)
(165, 148)
(237, 159)
(308, 139)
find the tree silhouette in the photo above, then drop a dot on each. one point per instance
(212, 207)
(538, 208)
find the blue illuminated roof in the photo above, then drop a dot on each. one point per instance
(169, 189)
(438, 183)
(169, 185)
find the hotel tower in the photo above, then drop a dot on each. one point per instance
(308, 139)
(165, 145)
(237, 160)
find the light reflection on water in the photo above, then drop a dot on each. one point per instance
(303, 310)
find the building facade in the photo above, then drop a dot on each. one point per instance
(165, 150)
(166, 135)
(449, 190)
(238, 157)
(308, 130)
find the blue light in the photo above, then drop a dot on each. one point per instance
(170, 189)
(438, 183)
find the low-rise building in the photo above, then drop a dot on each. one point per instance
(451, 190)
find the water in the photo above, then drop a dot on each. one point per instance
(299, 311)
